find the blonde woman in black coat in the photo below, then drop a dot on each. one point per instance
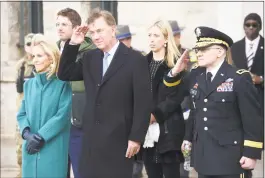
(164, 158)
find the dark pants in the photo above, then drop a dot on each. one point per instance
(246, 174)
(157, 170)
(75, 150)
(183, 172)
(220, 176)
(137, 169)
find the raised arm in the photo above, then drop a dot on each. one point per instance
(69, 69)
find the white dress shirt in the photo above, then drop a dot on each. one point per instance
(215, 69)
(112, 52)
(255, 43)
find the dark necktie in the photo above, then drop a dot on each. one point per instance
(208, 79)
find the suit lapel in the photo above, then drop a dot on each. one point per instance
(242, 54)
(96, 66)
(117, 61)
(219, 78)
(259, 54)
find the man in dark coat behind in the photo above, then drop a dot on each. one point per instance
(248, 53)
(118, 91)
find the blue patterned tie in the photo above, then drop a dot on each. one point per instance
(250, 57)
(105, 63)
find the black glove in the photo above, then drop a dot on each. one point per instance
(34, 142)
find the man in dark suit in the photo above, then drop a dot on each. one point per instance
(118, 92)
(248, 53)
(225, 125)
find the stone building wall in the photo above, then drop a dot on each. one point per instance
(226, 16)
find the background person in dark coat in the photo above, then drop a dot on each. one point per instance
(163, 160)
(225, 125)
(67, 20)
(117, 111)
(248, 53)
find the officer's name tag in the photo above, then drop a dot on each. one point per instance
(227, 86)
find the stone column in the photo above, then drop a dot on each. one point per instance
(10, 54)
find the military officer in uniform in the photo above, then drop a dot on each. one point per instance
(225, 123)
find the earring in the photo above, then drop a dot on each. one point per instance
(165, 44)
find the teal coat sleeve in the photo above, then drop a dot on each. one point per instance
(59, 121)
(22, 118)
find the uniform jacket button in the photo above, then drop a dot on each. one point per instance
(205, 100)
(205, 118)
(205, 109)
(205, 128)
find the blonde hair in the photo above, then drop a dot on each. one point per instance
(97, 13)
(51, 49)
(172, 51)
(229, 56)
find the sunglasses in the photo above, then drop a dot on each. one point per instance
(28, 43)
(254, 25)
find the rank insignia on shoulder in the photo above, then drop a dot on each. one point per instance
(241, 71)
(194, 66)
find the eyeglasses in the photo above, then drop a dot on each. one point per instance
(28, 44)
(203, 49)
(254, 25)
(62, 24)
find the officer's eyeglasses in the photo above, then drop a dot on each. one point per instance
(62, 24)
(253, 25)
(203, 49)
(28, 44)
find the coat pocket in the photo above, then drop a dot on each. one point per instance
(234, 138)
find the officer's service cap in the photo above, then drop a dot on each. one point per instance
(207, 36)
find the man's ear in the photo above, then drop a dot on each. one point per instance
(113, 28)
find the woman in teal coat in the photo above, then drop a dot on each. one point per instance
(44, 116)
